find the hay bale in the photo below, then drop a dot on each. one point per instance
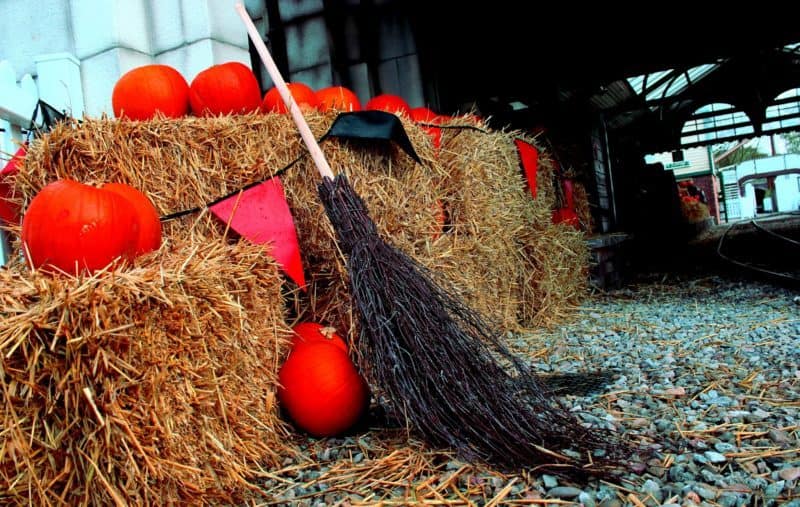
(181, 164)
(150, 384)
(492, 256)
(522, 270)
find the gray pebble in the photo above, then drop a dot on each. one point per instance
(724, 447)
(728, 500)
(774, 489)
(549, 481)
(586, 499)
(564, 492)
(652, 488)
(705, 491)
(715, 457)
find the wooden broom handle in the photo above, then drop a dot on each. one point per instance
(305, 131)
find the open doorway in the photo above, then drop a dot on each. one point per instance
(764, 191)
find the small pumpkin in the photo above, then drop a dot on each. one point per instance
(389, 103)
(149, 222)
(302, 94)
(321, 390)
(75, 227)
(227, 88)
(337, 98)
(309, 332)
(142, 92)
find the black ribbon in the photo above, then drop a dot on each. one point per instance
(50, 117)
(373, 125)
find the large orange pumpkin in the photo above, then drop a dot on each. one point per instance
(143, 91)
(389, 103)
(337, 98)
(149, 223)
(321, 390)
(227, 88)
(309, 332)
(75, 227)
(302, 94)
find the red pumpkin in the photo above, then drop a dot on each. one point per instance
(75, 227)
(302, 94)
(321, 390)
(149, 222)
(337, 98)
(309, 332)
(143, 91)
(424, 115)
(227, 88)
(389, 103)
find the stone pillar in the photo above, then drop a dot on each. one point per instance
(111, 38)
(59, 80)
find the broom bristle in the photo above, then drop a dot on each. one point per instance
(443, 370)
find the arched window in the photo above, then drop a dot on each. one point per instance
(784, 111)
(715, 122)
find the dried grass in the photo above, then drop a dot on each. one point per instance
(150, 384)
(102, 423)
(508, 247)
(501, 251)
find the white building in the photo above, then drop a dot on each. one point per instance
(764, 185)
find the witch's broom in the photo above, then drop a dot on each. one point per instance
(434, 361)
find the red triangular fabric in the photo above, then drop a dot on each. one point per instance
(529, 160)
(261, 214)
(9, 212)
(567, 214)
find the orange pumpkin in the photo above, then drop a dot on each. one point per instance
(337, 98)
(149, 223)
(143, 91)
(75, 227)
(308, 332)
(227, 88)
(321, 390)
(302, 94)
(424, 115)
(389, 103)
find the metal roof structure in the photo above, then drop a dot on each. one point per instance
(647, 75)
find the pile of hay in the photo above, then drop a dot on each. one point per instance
(510, 251)
(156, 382)
(149, 384)
(501, 253)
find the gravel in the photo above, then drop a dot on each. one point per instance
(708, 370)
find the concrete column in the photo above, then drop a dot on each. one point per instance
(59, 80)
(100, 25)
